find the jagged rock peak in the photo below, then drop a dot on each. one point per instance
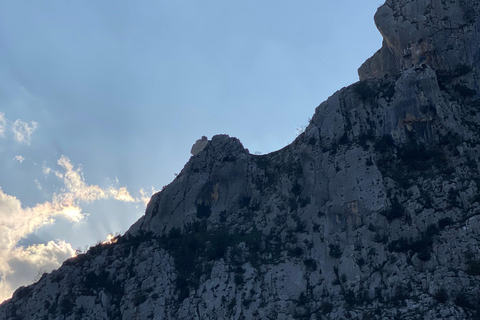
(224, 141)
(199, 184)
(220, 147)
(221, 141)
(440, 33)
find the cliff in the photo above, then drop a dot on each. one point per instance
(372, 213)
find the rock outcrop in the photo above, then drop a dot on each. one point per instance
(443, 34)
(372, 213)
(199, 145)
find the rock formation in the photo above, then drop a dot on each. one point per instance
(199, 145)
(372, 213)
(440, 33)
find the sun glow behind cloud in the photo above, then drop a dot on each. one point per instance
(17, 222)
(110, 239)
(20, 264)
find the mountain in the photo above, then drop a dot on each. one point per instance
(372, 213)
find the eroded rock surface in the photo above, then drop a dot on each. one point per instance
(443, 34)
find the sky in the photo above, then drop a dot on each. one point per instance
(101, 101)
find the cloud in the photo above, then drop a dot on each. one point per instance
(25, 264)
(46, 170)
(145, 196)
(37, 184)
(3, 124)
(78, 190)
(19, 158)
(121, 194)
(18, 264)
(23, 131)
(16, 222)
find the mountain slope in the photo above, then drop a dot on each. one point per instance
(372, 213)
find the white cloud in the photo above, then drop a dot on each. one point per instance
(16, 222)
(77, 189)
(121, 194)
(3, 124)
(23, 131)
(37, 184)
(145, 196)
(19, 265)
(24, 264)
(19, 158)
(46, 170)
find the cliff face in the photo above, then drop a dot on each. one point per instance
(372, 213)
(440, 33)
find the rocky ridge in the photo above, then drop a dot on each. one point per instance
(372, 213)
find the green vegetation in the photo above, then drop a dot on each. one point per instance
(364, 91)
(66, 306)
(296, 189)
(103, 281)
(422, 246)
(203, 211)
(409, 161)
(416, 156)
(462, 301)
(343, 139)
(244, 201)
(388, 90)
(326, 307)
(229, 158)
(310, 264)
(365, 137)
(384, 144)
(473, 268)
(139, 299)
(380, 238)
(238, 278)
(464, 90)
(295, 252)
(303, 202)
(449, 81)
(335, 251)
(443, 223)
(193, 251)
(368, 90)
(462, 69)
(452, 197)
(400, 295)
(441, 295)
(396, 211)
(428, 109)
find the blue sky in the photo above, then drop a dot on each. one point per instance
(101, 101)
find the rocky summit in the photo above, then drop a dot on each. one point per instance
(373, 212)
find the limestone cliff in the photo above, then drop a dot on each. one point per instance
(372, 213)
(443, 34)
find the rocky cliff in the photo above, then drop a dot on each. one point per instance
(372, 213)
